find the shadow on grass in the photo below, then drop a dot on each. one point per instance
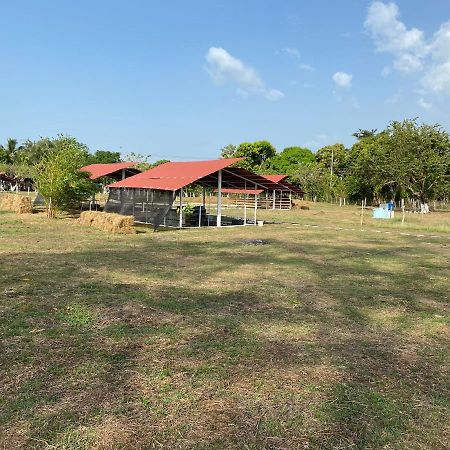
(160, 340)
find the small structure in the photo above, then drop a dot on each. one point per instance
(150, 195)
(384, 211)
(10, 183)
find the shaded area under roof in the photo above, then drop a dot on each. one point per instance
(112, 170)
(241, 191)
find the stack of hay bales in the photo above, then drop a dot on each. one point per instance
(20, 204)
(114, 223)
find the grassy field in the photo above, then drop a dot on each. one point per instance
(321, 338)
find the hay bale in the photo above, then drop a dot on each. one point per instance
(113, 223)
(20, 204)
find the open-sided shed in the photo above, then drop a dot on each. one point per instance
(150, 195)
(280, 198)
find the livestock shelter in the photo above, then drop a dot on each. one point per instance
(150, 195)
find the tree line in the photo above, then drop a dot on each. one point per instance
(407, 160)
(53, 165)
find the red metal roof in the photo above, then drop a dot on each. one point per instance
(275, 178)
(172, 176)
(285, 184)
(102, 170)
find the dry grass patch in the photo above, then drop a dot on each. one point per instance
(190, 340)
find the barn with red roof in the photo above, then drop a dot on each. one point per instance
(156, 195)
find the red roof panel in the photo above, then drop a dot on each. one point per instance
(172, 176)
(275, 178)
(102, 170)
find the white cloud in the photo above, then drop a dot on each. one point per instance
(343, 79)
(292, 52)
(424, 104)
(437, 77)
(225, 68)
(306, 67)
(411, 51)
(390, 35)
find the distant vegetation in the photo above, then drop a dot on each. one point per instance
(406, 160)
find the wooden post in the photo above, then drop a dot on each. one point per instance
(123, 174)
(362, 212)
(181, 208)
(273, 200)
(290, 200)
(219, 199)
(403, 210)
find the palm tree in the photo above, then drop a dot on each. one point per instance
(9, 151)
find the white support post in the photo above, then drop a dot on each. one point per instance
(123, 174)
(245, 209)
(290, 200)
(256, 204)
(219, 199)
(181, 208)
(273, 199)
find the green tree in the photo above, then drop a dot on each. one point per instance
(58, 178)
(419, 158)
(228, 151)
(289, 159)
(257, 155)
(8, 152)
(142, 160)
(104, 157)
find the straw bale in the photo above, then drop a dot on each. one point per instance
(113, 223)
(20, 204)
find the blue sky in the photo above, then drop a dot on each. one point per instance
(181, 79)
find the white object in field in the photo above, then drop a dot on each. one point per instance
(260, 223)
(424, 208)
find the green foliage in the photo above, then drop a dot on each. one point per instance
(333, 156)
(406, 159)
(8, 152)
(257, 155)
(142, 160)
(58, 178)
(188, 209)
(159, 162)
(228, 151)
(104, 157)
(289, 160)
